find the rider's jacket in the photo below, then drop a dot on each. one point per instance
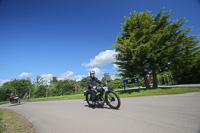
(93, 82)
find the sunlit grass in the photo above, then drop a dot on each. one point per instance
(159, 91)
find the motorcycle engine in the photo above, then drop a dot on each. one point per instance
(100, 101)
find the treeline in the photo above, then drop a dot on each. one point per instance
(41, 87)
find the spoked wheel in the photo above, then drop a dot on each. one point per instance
(89, 99)
(113, 100)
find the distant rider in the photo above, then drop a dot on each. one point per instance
(92, 85)
(12, 96)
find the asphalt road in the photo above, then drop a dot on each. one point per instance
(181, 85)
(151, 114)
(169, 86)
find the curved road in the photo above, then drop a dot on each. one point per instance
(152, 114)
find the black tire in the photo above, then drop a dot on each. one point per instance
(89, 99)
(111, 99)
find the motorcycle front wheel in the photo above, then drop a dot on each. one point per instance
(113, 100)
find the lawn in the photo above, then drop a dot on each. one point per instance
(12, 122)
(65, 97)
(159, 91)
(2, 126)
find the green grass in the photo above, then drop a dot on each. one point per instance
(9, 122)
(65, 97)
(2, 102)
(159, 91)
(2, 127)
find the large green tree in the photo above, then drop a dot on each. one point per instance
(151, 44)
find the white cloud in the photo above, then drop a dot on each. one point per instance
(3, 81)
(79, 77)
(66, 75)
(47, 77)
(25, 75)
(63, 76)
(115, 66)
(114, 76)
(101, 59)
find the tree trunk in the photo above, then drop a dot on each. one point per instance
(168, 80)
(146, 82)
(47, 91)
(155, 83)
(29, 92)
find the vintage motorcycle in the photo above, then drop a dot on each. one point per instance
(104, 95)
(16, 99)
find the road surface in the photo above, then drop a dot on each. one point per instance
(153, 114)
(181, 85)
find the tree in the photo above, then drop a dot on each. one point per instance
(151, 44)
(106, 77)
(64, 87)
(40, 87)
(188, 70)
(83, 83)
(39, 81)
(53, 80)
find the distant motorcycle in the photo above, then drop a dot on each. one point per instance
(16, 99)
(109, 96)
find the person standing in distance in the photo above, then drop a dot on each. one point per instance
(92, 85)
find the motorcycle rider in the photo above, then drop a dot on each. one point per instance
(12, 96)
(92, 85)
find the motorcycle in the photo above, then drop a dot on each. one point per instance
(16, 99)
(104, 95)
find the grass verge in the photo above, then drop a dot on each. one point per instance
(3, 102)
(159, 91)
(12, 122)
(65, 97)
(2, 126)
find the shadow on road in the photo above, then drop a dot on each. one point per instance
(98, 107)
(15, 104)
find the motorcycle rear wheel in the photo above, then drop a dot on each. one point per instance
(89, 99)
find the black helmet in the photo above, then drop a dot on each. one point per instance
(92, 72)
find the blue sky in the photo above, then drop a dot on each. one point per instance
(67, 38)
